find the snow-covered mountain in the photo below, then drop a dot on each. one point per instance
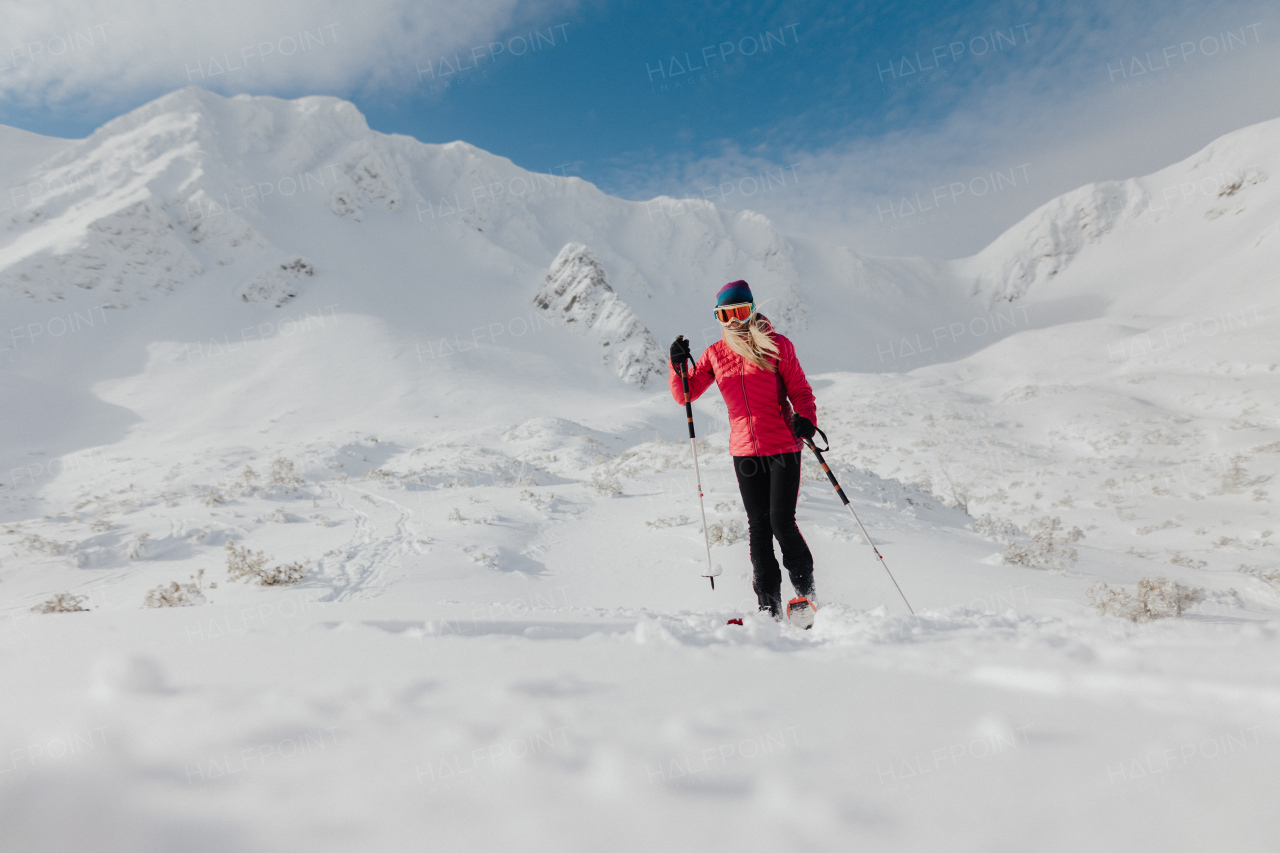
(235, 196)
(1212, 200)
(196, 186)
(432, 382)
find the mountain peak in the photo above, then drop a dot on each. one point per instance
(243, 117)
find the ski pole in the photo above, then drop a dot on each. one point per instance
(843, 497)
(688, 411)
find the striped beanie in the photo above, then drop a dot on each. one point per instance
(734, 293)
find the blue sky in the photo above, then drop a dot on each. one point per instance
(635, 78)
(866, 105)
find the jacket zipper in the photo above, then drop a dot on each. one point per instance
(784, 405)
(751, 422)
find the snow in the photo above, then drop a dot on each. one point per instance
(503, 635)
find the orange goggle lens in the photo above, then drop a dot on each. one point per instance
(735, 312)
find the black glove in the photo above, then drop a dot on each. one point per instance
(803, 427)
(680, 352)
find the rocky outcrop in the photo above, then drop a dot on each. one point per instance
(577, 296)
(130, 253)
(279, 283)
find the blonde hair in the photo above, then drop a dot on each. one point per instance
(754, 342)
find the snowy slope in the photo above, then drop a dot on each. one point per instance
(256, 322)
(1154, 389)
(1219, 199)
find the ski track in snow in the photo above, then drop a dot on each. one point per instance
(377, 548)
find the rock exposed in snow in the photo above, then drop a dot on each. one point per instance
(365, 179)
(279, 283)
(578, 296)
(131, 252)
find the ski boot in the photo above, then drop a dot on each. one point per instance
(800, 612)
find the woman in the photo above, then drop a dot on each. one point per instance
(757, 372)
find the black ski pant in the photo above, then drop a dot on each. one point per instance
(770, 486)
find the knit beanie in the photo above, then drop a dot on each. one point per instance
(734, 293)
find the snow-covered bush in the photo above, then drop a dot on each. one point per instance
(49, 547)
(63, 602)
(139, 547)
(961, 492)
(726, 532)
(673, 521)
(1047, 549)
(1272, 577)
(605, 485)
(243, 564)
(542, 502)
(1235, 480)
(487, 557)
(283, 473)
(1157, 598)
(177, 594)
(282, 575)
(998, 528)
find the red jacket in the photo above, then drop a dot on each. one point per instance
(759, 412)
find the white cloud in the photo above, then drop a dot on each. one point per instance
(70, 52)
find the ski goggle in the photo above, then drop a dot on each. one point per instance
(740, 313)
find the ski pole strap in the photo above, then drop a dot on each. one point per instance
(825, 440)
